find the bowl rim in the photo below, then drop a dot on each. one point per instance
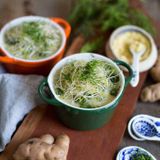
(147, 63)
(22, 19)
(77, 56)
(136, 147)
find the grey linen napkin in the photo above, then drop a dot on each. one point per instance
(18, 96)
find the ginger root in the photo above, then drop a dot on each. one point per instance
(155, 71)
(151, 93)
(43, 148)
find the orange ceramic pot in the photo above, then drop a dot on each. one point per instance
(42, 66)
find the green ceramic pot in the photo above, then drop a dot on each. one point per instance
(83, 118)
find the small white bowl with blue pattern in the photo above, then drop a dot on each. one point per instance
(129, 153)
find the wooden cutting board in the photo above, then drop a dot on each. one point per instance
(100, 144)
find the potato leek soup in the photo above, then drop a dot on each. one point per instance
(87, 84)
(123, 41)
(33, 40)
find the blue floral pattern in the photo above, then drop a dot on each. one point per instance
(146, 129)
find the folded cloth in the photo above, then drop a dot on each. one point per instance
(18, 96)
(2, 69)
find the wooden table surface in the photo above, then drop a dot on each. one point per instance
(100, 144)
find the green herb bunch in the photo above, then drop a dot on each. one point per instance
(141, 157)
(103, 15)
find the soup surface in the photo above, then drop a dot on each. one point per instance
(87, 84)
(33, 40)
(121, 46)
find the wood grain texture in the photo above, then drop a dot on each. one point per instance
(75, 46)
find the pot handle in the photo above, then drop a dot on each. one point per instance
(66, 26)
(44, 96)
(5, 59)
(129, 77)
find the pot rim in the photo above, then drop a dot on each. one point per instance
(20, 20)
(78, 56)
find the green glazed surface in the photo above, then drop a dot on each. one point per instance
(82, 119)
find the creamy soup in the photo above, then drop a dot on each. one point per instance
(122, 42)
(33, 40)
(87, 84)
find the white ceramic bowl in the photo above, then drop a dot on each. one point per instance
(144, 65)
